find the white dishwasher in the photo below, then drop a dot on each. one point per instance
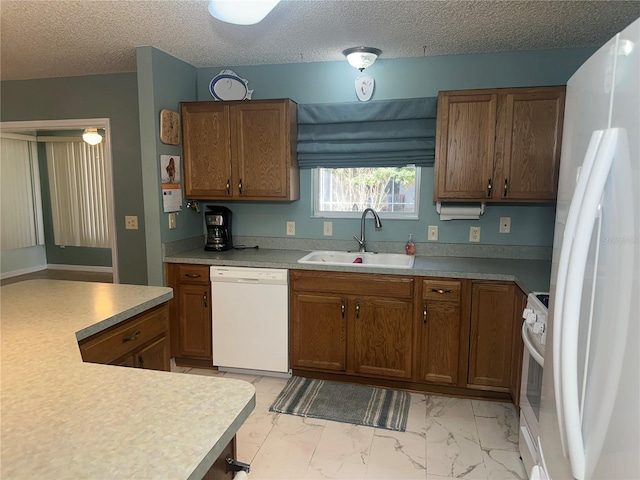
(250, 318)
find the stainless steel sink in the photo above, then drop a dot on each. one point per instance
(358, 259)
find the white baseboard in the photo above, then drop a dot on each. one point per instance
(79, 268)
(23, 271)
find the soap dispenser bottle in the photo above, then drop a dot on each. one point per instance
(410, 247)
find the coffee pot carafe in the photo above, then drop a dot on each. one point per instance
(218, 222)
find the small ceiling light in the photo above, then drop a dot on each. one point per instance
(241, 12)
(91, 136)
(361, 57)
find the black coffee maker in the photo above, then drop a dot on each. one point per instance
(218, 221)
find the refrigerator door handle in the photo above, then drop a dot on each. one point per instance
(533, 351)
(572, 299)
(563, 267)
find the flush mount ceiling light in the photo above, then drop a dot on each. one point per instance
(361, 57)
(91, 136)
(241, 12)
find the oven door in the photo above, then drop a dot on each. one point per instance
(530, 392)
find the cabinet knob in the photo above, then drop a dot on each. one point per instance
(506, 187)
(228, 187)
(441, 291)
(132, 337)
(140, 361)
(204, 299)
(424, 314)
(357, 310)
(342, 307)
(192, 275)
(489, 188)
(240, 186)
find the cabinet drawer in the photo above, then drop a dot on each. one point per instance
(352, 283)
(193, 274)
(441, 290)
(119, 340)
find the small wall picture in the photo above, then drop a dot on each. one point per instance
(170, 176)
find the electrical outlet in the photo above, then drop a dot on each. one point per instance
(328, 229)
(291, 228)
(172, 221)
(505, 224)
(474, 234)
(432, 234)
(131, 222)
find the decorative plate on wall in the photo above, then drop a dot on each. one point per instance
(364, 87)
(227, 85)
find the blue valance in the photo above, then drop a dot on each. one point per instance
(386, 133)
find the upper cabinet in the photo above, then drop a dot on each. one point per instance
(499, 145)
(244, 150)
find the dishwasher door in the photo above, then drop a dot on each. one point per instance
(250, 319)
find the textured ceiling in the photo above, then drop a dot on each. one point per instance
(58, 38)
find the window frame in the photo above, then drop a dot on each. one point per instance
(316, 213)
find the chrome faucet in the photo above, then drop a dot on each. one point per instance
(378, 225)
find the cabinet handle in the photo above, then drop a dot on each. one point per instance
(424, 314)
(140, 361)
(132, 337)
(204, 298)
(192, 275)
(228, 187)
(441, 291)
(506, 187)
(489, 188)
(342, 307)
(357, 310)
(240, 186)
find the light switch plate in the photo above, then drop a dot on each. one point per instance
(131, 222)
(505, 224)
(328, 229)
(172, 221)
(432, 233)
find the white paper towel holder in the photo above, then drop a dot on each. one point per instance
(460, 212)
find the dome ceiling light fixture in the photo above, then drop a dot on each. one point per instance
(91, 136)
(241, 12)
(361, 57)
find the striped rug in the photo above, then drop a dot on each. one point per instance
(344, 402)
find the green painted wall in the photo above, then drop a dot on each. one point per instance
(98, 96)
(163, 82)
(401, 78)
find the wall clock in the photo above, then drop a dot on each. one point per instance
(169, 127)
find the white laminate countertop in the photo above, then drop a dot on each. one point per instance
(62, 418)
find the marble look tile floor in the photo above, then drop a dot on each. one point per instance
(445, 438)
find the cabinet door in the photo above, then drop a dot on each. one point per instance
(532, 138)
(155, 356)
(439, 331)
(206, 150)
(465, 146)
(491, 335)
(262, 150)
(194, 319)
(517, 346)
(383, 336)
(318, 331)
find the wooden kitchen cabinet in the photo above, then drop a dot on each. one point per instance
(491, 336)
(190, 312)
(500, 145)
(318, 331)
(439, 331)
(142, 341)
(352, 323)
(517, 346)
(244, 150)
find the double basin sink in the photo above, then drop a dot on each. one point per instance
(359, 259)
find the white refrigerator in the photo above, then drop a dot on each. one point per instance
(589, 416)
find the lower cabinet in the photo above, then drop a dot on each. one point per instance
(366, 329)
(438, 329)
(191, 341)
(491, 336)
(142, 342)
(444, 335)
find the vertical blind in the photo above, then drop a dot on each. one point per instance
(388, 133)
(21, 214)
(77, 181)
